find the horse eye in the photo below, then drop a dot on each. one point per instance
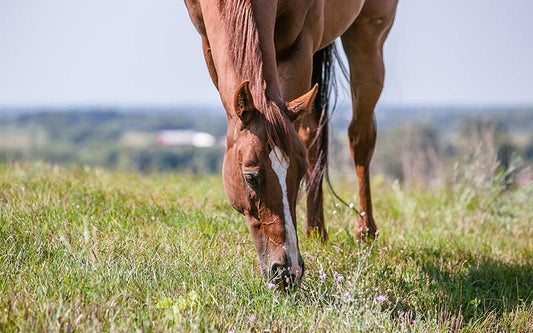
(251, 178)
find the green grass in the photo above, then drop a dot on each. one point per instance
(90, 250)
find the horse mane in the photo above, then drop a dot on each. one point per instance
(247, 58)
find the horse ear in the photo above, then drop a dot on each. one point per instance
(302, 105)
(244, 103)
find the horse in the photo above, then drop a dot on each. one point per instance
(272, 63)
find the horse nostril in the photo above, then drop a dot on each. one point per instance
(276, 271)
(280, 275)
(283, 277)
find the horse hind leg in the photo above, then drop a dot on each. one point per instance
(363, 43)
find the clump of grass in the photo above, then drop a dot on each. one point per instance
(90, 250)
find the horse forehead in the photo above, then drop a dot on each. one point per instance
(249, 142)
(252, 149)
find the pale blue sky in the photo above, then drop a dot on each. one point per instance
(141, 52)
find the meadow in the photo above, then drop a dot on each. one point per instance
(84, 249)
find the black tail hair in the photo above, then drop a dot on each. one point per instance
(324, 63)
(324, 76)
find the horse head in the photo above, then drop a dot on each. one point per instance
(262, 179)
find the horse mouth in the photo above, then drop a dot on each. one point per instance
(283, 279)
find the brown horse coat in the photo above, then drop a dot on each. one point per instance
(263, 53)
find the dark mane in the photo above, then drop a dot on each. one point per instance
(247, 58)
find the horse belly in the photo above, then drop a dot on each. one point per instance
(325, 20)
(339, 15)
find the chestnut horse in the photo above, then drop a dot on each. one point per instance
(261, 54)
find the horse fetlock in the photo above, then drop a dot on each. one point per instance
(365, 229)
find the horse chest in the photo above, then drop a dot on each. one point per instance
(195, 13)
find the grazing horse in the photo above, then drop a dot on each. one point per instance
(271, 61)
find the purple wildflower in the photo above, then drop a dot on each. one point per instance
(381, 298)
(347, 297)
(322, 276)
(253, 318)
(340, 278)
(271, 286)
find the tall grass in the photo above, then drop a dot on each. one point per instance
(89, 250)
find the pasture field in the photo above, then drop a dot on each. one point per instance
(83, 249)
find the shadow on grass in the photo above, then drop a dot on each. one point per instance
(469, 285)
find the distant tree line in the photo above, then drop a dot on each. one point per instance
(413, 151)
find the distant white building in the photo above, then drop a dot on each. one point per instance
(192, 138)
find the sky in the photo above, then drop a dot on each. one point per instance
(146, 52)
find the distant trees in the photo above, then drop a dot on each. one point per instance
(95, 138)
(470, 148)
(478, 150)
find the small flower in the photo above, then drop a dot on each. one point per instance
(253, 318)
(322, 276)
(334, 212)
(351, 205)
(347, 297)
(271, 286)
(340, 278)
(381, 298)
(230, 331)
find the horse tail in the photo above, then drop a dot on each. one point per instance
(325, 62)
(323, 75)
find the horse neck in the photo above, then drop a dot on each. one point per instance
(241, 39)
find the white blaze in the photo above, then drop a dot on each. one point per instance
(280, 164)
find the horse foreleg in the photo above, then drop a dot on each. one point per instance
(295, 71)
(308, 131)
